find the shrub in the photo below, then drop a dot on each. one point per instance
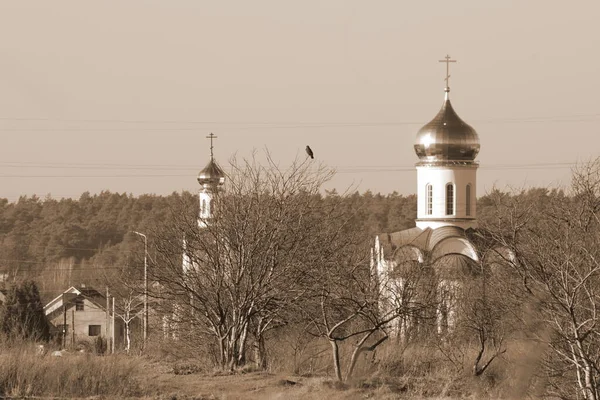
(100, 345)
(22, 314)
(187, 368)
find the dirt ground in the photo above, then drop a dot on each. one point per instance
(257, 385)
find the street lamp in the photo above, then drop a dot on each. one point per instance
(145, 322)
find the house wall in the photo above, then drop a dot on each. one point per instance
(79, 322)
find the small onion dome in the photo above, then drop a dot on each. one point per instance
(212, 174)
(447, 138)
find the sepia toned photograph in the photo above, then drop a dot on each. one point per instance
(318, 199)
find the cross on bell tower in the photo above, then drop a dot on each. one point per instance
(211, 137)
(447, 60)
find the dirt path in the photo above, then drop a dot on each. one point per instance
(255, 386)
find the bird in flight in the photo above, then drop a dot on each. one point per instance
(310, 152)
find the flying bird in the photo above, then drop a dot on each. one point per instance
(310, 152)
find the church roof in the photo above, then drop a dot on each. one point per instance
(447, 138)
(212, 174)
(433, 244)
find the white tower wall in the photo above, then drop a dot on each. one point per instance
(205, 196)
(438, 176)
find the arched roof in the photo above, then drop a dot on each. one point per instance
(408, 253)
(427, 245)
(454, 245)
(454, 266)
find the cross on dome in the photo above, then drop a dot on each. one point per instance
(211, 137)
(447, 60)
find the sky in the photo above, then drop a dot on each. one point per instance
(120, 95)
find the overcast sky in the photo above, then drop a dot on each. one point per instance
(119, 95)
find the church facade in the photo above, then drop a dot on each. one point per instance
(441, 245)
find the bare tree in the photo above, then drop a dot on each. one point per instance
(483, 320)
(353, 305)
(552, 242)
(125, 284)
(252, 260)
(129, 307)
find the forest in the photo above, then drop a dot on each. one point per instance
(72, 241)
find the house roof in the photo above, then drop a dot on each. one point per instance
(89, 293)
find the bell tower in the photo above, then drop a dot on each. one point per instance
(446, 171)
(211, 179)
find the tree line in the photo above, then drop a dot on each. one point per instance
(74, 241)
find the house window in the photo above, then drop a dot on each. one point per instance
(429, 199)
(449, 199)
(93, 330)
(79, 305)
(468, 200)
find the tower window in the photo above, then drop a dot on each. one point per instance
(203, 206)
(468, 200)
(449, 199)
(429, 199)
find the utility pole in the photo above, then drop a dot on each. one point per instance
(64, 341)
(106, 331)
(113, 327)
(145, 319)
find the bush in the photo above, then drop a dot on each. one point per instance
(100, 345)
(22, 314)
(187, 368)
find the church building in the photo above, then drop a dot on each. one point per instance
(440, 244)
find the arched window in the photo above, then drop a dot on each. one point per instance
(468, 201)
(449, 199)
(428, 199)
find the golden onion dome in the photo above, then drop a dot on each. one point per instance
(447, 138)
(212, 174)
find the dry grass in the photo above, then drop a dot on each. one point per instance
(416, 373)
(24, 373)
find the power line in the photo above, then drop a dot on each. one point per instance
(567, 117)
(100, 166)
(73, 268)
(339, 170)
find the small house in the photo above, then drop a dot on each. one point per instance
(83, 314)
